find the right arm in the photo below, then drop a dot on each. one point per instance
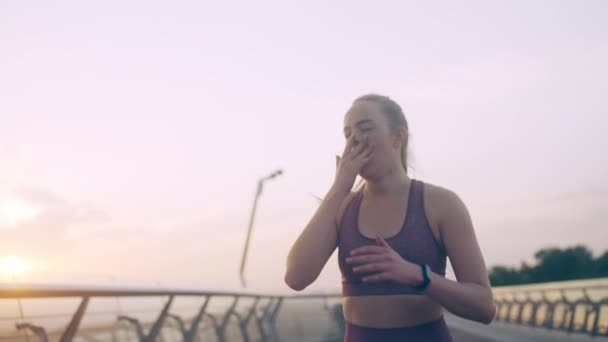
(316, 243)
(319, 239)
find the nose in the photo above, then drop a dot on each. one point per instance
(359, 138)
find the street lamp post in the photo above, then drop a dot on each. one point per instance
(255, 204)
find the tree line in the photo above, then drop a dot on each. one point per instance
(553, 264)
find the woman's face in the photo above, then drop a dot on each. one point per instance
(364, 120)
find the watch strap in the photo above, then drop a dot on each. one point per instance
(425, 277)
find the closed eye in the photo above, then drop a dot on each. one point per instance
(362, 126)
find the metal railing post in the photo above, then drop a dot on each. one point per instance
(260, 320)
(155, 330)
(189, 334)
(226, 318)
(37, 330)
(273, 317)
(194, 326)
(244, 321)
(70, 331)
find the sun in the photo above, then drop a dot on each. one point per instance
(12, 266)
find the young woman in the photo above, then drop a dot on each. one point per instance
(393, 237)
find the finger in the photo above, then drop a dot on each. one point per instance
(362, 147)
(337, 160)
(381, 242)
(367, 258)
(365, 152)
(382, 276)
(368, 249)
(350, 142)
(373, 267)
(368, 156)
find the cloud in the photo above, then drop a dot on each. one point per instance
(38, 196)
(35, 214)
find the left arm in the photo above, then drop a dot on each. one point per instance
(471, 295)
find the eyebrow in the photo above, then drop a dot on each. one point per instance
(360, 122)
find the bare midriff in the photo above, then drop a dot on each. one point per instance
(393, 311)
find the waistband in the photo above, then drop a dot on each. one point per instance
(436, 330)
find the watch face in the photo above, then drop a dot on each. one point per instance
(427, 275)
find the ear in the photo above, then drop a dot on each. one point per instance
(400, 137)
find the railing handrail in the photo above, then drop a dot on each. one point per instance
(38, 290)
(550, 288)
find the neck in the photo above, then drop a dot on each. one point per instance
(391, 183)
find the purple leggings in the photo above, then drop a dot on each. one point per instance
(434, 331)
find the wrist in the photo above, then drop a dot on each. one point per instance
(340, 188)
(418, 278)
(423, 277)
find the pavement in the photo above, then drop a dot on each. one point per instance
(468, 331)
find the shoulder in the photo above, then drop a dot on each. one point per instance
(343, 206)
(443, 204)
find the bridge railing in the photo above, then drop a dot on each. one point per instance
(253, 316)
(244, 311)
(569, 308)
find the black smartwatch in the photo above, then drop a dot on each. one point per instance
(426, 280)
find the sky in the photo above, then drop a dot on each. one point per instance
(132, 134)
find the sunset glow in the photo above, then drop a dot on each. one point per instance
(14, 211)
(12, 266)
